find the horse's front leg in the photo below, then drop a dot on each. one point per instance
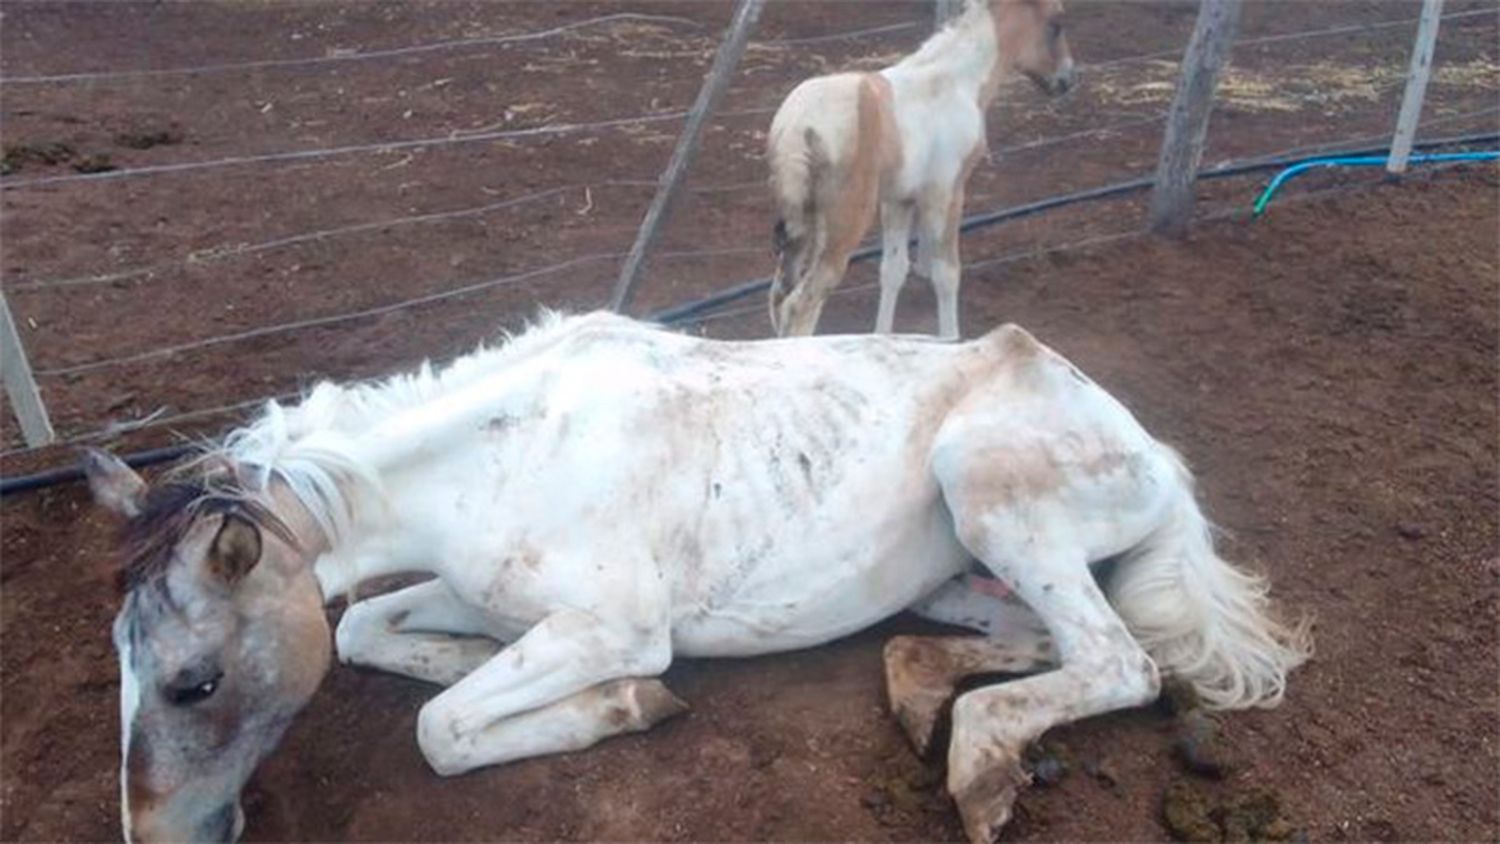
(559, 675)
(423, 631)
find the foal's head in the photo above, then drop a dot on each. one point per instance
(1033, 42)
(221, 639)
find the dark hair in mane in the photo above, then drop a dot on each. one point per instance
(171, 508)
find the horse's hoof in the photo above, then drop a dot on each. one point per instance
(655, 703)
(918, 714)
(986, 801)
(918, 687)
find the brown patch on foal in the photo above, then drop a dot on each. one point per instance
(873, 157)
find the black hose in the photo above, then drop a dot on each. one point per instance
(686, 311)
(52, 477)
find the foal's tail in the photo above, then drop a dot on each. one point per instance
(1202, 619)
(799, 171)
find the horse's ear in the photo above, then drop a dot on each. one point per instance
(115, 486)
(235, 549)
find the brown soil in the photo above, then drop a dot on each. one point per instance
(1336, 396)
(1330, 371)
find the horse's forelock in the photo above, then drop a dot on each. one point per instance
(171, 508)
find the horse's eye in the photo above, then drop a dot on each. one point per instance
(1055, 30)
(196, 693)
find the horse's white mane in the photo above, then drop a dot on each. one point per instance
(954, 35)
(309, 445)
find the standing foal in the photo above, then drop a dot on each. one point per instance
(906, 137)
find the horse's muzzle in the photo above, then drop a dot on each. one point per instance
(1056, 84)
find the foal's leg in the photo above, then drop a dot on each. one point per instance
(422, 631)
(852, 199)
(896, 217)
(803, 306)
(939, 214)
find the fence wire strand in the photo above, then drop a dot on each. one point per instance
(571, 128)
(265, 64)
(215, 253)
(365, 313)
(526, 275)
(122, 428)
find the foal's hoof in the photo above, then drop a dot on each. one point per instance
(918, 686)
(985, 802)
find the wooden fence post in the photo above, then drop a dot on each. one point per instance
(1187, 120)
(727, 59)
(20, 387)
(1416, 86)
(943, 11)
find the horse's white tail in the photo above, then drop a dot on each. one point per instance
(1203, 620)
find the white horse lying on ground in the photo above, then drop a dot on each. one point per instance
(905, 139)
(601, 496)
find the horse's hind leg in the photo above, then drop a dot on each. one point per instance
(1102, 666)
(422, 631)
(923, 672)
(983, 605)
(1032, 533)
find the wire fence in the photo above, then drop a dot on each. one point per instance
(137, 275)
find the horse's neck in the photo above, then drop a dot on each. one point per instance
(965, 55)
(402, 458)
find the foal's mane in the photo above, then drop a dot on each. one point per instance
(954, 31)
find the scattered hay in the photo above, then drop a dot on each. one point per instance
(1322, 86)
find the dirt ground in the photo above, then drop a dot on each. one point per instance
(1334, 388)
(226, 249)
(1330, 371)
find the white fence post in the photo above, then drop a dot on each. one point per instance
(1187, 120)
(1416, 86)
(20, 387)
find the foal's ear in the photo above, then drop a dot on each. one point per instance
(115, 486)
(235, 549)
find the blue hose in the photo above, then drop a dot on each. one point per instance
(1362, 161)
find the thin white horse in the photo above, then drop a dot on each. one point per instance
(602, 496)
(904, 139)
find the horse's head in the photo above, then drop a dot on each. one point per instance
(221, 639)
(1032, 41)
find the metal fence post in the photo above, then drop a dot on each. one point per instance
(1187, 120)
(709, 96)
(1416, 86)
(20, 387)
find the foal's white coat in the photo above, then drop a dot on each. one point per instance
(603, 496)
(906, 139)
